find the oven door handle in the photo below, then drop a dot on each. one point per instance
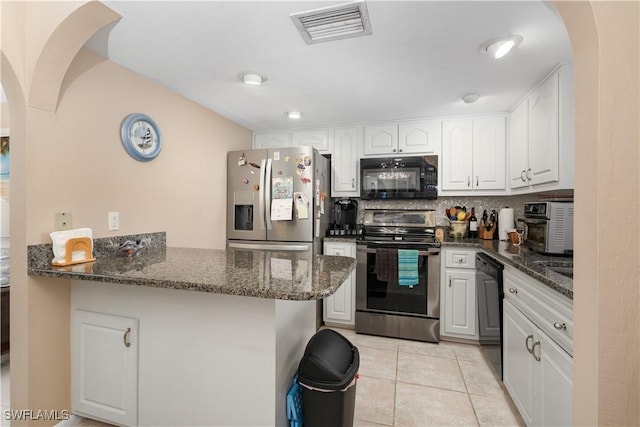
(430, 251)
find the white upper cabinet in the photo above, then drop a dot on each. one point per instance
(422, 137)
(319, 139)
(489, 146)
(272, 140)
(416, 137)
(457, 154)
(345, 164)
(519, 145)
(380, 139)
(473, 154)
(542, 135)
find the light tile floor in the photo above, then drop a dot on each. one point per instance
(410, 383)
(406, 383)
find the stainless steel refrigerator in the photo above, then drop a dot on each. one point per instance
(278, 197)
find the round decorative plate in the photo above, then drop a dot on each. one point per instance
(141, 137)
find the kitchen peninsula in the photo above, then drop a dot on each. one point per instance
(217, 334)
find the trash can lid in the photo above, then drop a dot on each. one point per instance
(330, 361)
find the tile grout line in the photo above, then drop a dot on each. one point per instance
(464, 380)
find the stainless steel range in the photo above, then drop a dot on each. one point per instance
(398, 275)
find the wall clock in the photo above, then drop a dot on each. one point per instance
(141, 137)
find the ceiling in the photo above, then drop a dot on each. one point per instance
(421, 58)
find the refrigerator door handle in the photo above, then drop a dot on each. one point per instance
(262, 188)
(268, 247)
(267, 191)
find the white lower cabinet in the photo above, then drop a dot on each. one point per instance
(104, 367)
(340, 307)
(537, 369)
(459, 312)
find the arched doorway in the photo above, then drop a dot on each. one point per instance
(4, 252)
(605, 41)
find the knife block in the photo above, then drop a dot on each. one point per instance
(485, 234)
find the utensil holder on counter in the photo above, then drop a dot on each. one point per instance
(485, 234)
(458, 229)
(76, 244)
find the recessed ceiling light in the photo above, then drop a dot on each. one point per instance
(294, 114)
(500, 47)
(252, 78)
(470, 98)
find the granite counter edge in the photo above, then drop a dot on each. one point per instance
(52, 272)
(558, 287)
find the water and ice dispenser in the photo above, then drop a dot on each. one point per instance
(243, 210)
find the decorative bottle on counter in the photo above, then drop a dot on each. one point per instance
(473, 224)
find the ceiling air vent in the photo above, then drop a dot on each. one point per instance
(333, 22)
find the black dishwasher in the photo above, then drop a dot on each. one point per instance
(490, 294)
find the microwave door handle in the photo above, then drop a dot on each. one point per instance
(261, 191)
(267, 190)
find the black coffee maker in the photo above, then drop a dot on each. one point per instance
(345, 218)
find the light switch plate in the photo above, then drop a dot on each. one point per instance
(61, 221)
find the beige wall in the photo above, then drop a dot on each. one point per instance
(81, 167)
(605, 41)
(4, 115)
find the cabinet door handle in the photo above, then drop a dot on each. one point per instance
(394, 150)
(523, 175)
(468, 181)
(449, 281)
(477, 181)
(526, 343)
(353, 183)
(560, 326)
(529, 174)
(533, 350)
(127, 343)
(513, 290)
(400, 150)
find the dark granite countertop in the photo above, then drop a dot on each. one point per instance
(523, 259)
(341, 239)
(519, 257)
(255, 273)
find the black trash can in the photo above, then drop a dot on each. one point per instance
(327, 375)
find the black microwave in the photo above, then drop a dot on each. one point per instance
(413, 177)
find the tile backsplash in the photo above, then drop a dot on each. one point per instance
(479, 202)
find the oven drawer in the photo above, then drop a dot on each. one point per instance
(460, 258)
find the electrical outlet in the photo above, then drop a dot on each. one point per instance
(61, 221)
(114, 221)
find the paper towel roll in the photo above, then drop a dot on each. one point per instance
(505, 222)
